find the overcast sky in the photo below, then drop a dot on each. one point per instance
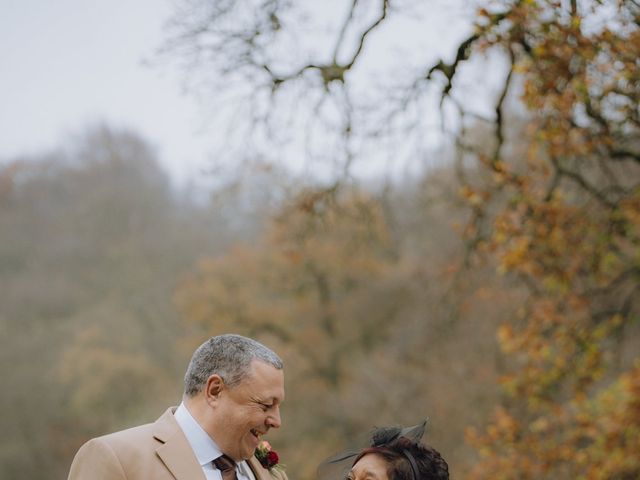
(68, 63)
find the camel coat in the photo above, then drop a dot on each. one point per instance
(157, 451)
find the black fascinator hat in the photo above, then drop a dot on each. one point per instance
(337, 467)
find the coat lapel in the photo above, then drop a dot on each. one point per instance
(258, 470)
(175, 451)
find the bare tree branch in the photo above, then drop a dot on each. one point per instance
(449, 70)
(381, 17)
(343, 30)
(499, 106)
(582, 182)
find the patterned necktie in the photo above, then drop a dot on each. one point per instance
(226, 466)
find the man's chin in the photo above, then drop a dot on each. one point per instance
(254, 441)
(250, 451)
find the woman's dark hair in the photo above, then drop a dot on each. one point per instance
(406, 458)
(399, 454)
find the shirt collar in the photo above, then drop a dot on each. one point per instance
(202, 444)
(205, 449)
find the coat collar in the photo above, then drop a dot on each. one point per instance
(175, 451)
(177, 455)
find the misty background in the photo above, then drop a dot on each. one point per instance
(428, 209)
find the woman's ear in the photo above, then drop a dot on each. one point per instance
(215, 385)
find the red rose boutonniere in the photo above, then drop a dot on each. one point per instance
(267, 456)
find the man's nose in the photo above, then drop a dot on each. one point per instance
(273, 420)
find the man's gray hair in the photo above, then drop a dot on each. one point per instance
(229, 356)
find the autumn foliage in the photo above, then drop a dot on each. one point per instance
(496, 290)
(569, 230)
(551, 185)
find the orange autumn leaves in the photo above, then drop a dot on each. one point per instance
(570, 231)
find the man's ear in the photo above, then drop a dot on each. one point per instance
(215, 385)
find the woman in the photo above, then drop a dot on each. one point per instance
(394, 454)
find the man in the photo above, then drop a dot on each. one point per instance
(233, 390)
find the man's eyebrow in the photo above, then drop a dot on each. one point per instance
(264, 401)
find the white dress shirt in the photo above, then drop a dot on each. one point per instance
(205, 448)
